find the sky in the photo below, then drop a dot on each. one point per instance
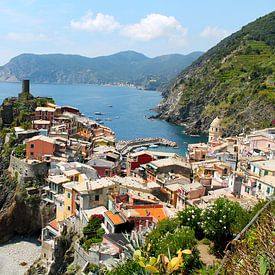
(102, 27)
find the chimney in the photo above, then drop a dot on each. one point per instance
(25, 86)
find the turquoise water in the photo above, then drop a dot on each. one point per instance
(129, 111)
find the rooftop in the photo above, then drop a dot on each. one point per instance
(58, 179)
(100, 210)
(70, 173)
(94, 185)
(44, 109)
(130, 182)
(101, 163)
(115, 218)
(269, 180)
(266, 165)
(157, 212)
(42, 138)
(168, 162)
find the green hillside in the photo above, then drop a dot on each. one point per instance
(124, 67)
(234, 80)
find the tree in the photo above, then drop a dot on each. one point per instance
(221, 220)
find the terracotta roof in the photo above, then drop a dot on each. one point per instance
(54, 224)
(149, 211)
(115, 218)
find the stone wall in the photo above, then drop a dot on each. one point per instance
(24, 171)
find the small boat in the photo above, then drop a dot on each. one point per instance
(108, 119)
(101, 122)
(153, 146)
(98, 119)
(109, 105)
(98, 113)
(140, 149)
(176, 147)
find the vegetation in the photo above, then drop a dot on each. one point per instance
(171, 247)
(93, 232)
(123, 67)
(234, 80)
(254, 253)
(20, 151)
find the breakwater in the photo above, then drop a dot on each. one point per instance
(126, 146)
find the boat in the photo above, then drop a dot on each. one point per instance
(101, 122)
(140, 149)
(108, 119)
(99, 113)
(176, 147)
(109, 105)
(98, 119)
(153, 146)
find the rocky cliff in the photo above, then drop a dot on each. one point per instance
(234, 80)
(18, 216)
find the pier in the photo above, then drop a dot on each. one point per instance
(125, 147)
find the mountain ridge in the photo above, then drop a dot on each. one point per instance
(127, 67)
(234, 80)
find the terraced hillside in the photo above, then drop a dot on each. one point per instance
(234, 80)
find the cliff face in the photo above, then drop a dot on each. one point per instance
(19, 217)
(234, 80)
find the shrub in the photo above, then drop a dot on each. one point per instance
(191, 217)
(221, 220)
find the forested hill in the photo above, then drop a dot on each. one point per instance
(234, 80)
(123, 67)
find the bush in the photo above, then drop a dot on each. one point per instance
(191, 217)
(221, 220)
(93, 232)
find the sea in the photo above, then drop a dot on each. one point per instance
(125, 110)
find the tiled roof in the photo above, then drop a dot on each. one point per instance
(115, 218)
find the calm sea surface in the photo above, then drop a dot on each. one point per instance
(129, 111)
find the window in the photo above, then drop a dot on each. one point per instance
(69, 208)
(32, 145)
(268, 190)
(265, 172)
(96, 197)
(107, 173)
(260, 186)
(69, 195)
(32, 153)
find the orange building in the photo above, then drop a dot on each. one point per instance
(39, 146)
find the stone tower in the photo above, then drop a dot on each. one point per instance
(25, 92)
(215, 130)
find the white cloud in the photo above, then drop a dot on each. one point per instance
(214, 32)
(26, 37)
(155, 26)
(100, 23)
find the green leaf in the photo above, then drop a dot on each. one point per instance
(263, 265)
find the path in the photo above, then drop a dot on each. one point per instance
(205, 256)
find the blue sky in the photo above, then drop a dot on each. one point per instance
(102, 27)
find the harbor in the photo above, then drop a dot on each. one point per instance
(125, 147)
